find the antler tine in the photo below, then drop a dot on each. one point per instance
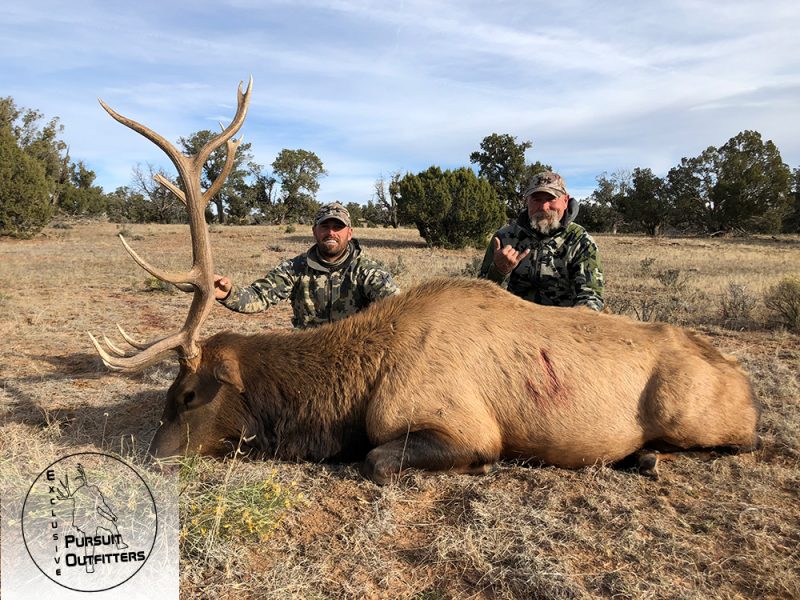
(174, 278)
(232, 146)
(243, 101)
(114, 350)
(152, 355)
(135, 343)
(178, 159)
(176, 191)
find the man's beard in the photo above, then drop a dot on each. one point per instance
(545, 221)
(332, 253)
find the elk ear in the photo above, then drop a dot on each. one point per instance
(227, 371)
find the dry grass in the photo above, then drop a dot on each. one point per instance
(725, 528)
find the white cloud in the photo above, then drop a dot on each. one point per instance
(374, 87)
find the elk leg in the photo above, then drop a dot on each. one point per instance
(425, 449)
(647, 463)
(648, 459)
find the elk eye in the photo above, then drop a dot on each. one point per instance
(187, 398)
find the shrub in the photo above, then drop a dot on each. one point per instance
(737, 306)
(672, 280)
(783, 301)
(24, 191)
(451, 209)
(290, 229)
(396, 268)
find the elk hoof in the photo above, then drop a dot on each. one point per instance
(647, 463)
(484, 469)
(490, 468)
(379, 470)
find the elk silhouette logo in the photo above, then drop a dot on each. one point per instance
(91, 515)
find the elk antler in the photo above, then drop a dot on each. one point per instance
(200, 278)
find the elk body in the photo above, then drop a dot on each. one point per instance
(456, 374)
(451, 374)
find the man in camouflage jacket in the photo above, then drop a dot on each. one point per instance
(329, 282)
(543, 256)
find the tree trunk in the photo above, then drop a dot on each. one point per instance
(220, 210)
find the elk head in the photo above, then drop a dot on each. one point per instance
(205, 410)
(199, 279)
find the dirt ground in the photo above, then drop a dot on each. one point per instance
(728, 527)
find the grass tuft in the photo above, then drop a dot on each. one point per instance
(663, 295)
(233, 507)
(154, 284)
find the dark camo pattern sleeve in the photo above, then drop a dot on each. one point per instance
(265, 292)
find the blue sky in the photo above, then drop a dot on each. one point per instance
(376, 87)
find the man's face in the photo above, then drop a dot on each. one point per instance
(546, 211)
(332, 237)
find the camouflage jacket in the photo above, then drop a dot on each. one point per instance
(319, 292)
(562, 269)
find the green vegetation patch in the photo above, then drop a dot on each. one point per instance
(236, 505)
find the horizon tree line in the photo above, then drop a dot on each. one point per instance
(743, 185)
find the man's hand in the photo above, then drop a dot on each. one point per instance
(506, 258)
(222, 287)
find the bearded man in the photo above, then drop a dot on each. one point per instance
(331, 281)
(544, 256)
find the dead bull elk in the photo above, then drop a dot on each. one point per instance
(452, 374)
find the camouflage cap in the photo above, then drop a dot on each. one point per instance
(546, 181)
(334, 210)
